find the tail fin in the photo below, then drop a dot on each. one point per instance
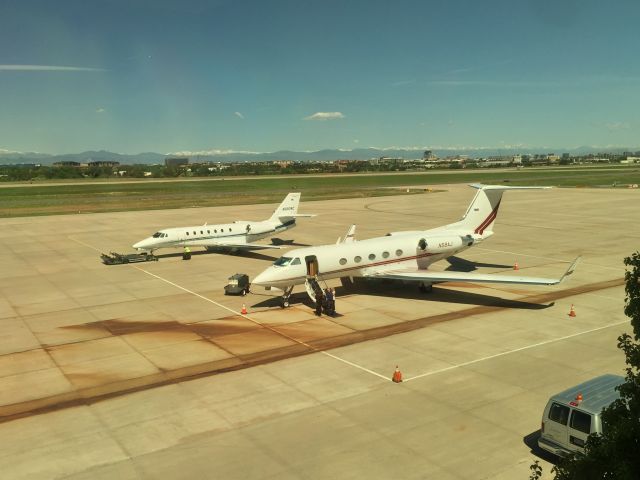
(349, 237)
(483, 209)
(288, 209)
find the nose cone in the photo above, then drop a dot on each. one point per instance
(262, 278)
(142, 244)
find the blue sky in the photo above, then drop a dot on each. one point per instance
(266, 75)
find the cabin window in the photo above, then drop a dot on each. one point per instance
(581, 421)
(195, 233)
(385, 254)
(282, 261)
(215, 231)
(398, 253)
(343, 261)
(187, 233)
(201, 232)
(559, 413)
(372, 256)
(357, 259)
(208, 231)
(296, 261)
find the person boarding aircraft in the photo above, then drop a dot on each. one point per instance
(235, 236)
(400, 255)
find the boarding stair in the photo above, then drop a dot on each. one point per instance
(312, 287)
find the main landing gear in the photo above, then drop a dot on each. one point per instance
(284, 302)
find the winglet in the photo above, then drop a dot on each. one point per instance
(571, 268)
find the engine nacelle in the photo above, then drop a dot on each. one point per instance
(441, 244)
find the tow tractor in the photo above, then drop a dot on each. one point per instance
(118, 259)
(238, 285)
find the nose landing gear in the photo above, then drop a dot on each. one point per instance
(284, 302)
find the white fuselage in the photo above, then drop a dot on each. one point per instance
(364, 257)
(214, 236)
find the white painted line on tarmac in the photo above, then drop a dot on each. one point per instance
(355, 365)
(527, 347)
(85, 244)
(268, 327)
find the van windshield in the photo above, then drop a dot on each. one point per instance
(282, 261)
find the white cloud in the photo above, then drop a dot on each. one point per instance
(100, 110)
(617, 126)
(239, 115)
(48, 68)
(212, 152)
(325, 116)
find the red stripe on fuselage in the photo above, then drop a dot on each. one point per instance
(487, 221)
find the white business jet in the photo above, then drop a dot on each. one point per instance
(399, 255)
(235, 236)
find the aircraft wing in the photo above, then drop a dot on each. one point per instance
(413, 274)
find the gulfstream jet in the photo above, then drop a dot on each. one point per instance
(235, 236)
(399, 255)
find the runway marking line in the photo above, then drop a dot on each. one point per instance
(268, 327)
(526, 347)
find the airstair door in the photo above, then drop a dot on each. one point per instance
(311, 285)
(312, 265)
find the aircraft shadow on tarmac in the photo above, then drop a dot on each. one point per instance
(531, 441)
(457, 264)
(411, 292)
(445, 295)
(280, 242)
(245, 254)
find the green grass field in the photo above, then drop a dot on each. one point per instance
(117, 196)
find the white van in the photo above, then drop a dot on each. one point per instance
(570, 416)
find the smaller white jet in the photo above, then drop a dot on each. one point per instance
(235, 236)
(404, 256)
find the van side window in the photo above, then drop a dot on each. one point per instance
(559, 413)
(581, 421)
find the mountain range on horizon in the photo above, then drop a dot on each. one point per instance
(226, 156)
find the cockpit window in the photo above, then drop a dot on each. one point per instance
(157, 235)
(296, 261)
(282, 261)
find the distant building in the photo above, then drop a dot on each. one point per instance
(429, 156)
(67, 164)
(631, 160)
(103, 163)
(176, 161)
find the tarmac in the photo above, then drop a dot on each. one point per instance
(149, 370)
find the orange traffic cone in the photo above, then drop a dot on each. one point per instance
(515, 266)
(397, 375)
(244, 309)
(572, 312)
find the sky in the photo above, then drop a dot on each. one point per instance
(266, 75)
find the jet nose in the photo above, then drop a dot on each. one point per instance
(261, 279)
(140, 245)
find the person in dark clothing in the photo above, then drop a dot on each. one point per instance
(330, 305)
(319, 300)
